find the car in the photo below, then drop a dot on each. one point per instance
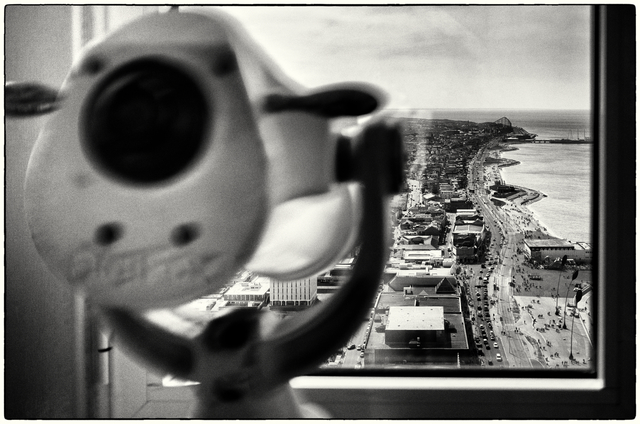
(487, 346)
(362, 354)
(490, 362)
(499, 357)
(351, 347)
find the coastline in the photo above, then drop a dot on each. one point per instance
(520, 216)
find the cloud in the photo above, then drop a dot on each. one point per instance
(458, 55)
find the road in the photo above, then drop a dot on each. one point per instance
(502, 254)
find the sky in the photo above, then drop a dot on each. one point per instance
(434, 57)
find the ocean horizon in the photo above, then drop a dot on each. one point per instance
(548, 124)
(563, 172)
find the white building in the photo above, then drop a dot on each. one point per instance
(556, 248)
(248, 293)
(294, 293)
(415, 195)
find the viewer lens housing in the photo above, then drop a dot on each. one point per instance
(146, 123)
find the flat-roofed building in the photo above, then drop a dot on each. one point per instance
(431, 257)
(538, 250)
(248, 293)
(468, 237)
(303, 292)
(420, 326)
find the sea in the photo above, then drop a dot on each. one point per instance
(563, 172)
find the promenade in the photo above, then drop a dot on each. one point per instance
(523, 313)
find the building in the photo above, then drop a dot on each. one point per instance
(468, 235)
(430, 284)
(415, 195)
(420, 327)
(466, 213)
(426, 256)
(302, 292)
(454, 204)
(420, 322)
(248, 293)
(538, 250)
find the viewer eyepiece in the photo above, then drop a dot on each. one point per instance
(146, 123)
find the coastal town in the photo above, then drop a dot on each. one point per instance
(473, 280)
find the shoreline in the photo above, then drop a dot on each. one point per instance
(520, 216)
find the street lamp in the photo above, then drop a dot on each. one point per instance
(578, 297)
(564, 260)
(564, 320)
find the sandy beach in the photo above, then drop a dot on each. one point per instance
(518, 216)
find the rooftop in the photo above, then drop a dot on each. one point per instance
(548, 243)
(258, 286)
(466, 212)
(467, 228)
(450, 304)
(402, 281)
(416, 318)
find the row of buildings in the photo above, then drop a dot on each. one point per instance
(419, 317)
(261, 291)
